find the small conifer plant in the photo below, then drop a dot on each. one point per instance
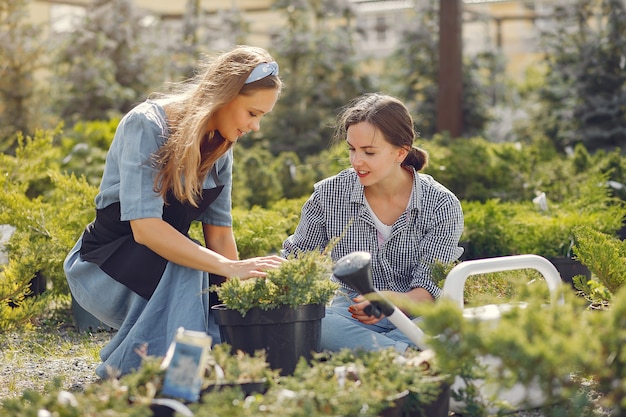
(298, 281)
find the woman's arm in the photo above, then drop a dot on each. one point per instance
(221, 240)
(168, 242)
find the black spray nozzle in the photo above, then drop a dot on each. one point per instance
(355, 271)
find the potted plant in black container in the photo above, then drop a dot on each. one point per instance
(280, 313)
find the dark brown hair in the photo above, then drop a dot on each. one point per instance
(391, 117)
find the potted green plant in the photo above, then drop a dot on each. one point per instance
(280, 313)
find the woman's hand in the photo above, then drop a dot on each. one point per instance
(357, 312)
(168, 242)
(254, 267)
(401, 300)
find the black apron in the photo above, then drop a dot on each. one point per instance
(109, 243)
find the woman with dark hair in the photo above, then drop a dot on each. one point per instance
(382, 205)
(170, 163)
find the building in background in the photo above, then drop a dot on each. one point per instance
(511, 27)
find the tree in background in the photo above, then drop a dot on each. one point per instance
(411, 73)
(319, 68)
(21, 53)
(106, 65)
(583, 98)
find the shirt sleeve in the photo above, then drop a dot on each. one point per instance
(310, 234)
(137, 138)
(440, 243)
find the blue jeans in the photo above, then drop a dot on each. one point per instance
(340, 330)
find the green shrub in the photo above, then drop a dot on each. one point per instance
(343, 383)
(260, 231)
(604, 255)
(500, 228)
(371, 384)
(486, 228)
(298, 281)
(49, 211)
(475, 169)
(84, 148)
(546, 345)
(607, 361)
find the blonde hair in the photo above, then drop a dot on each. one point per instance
(190, 151)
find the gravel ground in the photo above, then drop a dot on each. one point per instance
(26, 363)
(73, 355)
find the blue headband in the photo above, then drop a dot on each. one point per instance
(261, 71)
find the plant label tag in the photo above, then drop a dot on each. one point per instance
(186, 361)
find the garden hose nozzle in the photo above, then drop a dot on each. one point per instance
(355, 271)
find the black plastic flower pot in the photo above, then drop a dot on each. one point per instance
(406, 404)
(568, 268)
(285, 333)
(248, 388)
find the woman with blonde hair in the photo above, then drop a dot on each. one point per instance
(170, 163)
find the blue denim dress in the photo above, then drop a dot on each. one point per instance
(146, 322)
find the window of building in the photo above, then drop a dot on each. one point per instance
(381, 29)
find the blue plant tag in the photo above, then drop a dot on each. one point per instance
(185, 362)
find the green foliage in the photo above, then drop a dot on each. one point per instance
(362, 383)
(261, 179)
(486, 228)
(604, 255)
(128, 397)
(583, 97)
(290, 209)
(22, 52)
(298, 281)
(227, 368)
(321, 69)
(412, 72)
(259, 231)
(85, 146)
(107, 64)
(253, 172)
(48, 211)
(346, 384)
(476, 169)
(295, 177)
(539, 345)
(607, 364)
(497, 228)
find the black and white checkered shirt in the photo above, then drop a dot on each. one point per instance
(428, 230)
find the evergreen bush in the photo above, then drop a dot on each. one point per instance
(260, 232)
(606, 354)
(500, 228)
(543, 345)
(604, 255)
(48, 210)
(298, 281)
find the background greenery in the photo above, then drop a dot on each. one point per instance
(564, 142)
